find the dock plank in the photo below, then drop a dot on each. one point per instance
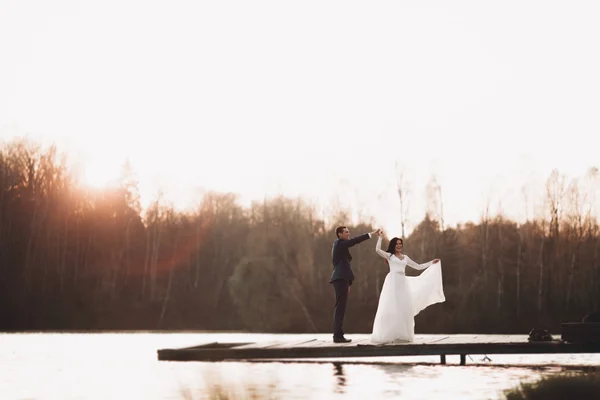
(361, 346)
(299, 344)
(261, 345)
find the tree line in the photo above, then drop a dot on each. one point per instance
(76, 258)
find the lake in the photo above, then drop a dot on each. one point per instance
(124, 365)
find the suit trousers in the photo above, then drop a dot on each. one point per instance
(341, 287)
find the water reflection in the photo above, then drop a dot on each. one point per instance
(396, 377)
(338, 372)
(124, 365)
(395, 369)
(392, 378)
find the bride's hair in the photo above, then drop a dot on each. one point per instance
(392, 245)
(392, 248)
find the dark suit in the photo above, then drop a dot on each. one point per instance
(342, 278)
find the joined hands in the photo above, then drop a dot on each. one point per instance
(377, 232)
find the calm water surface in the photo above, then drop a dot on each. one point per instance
(124, 366)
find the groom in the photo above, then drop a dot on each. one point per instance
(342, 276)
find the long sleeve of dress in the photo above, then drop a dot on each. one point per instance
(414, 265)
(378, 250)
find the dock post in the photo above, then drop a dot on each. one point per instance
(443, 358)
(463, 359)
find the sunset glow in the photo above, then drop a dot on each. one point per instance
(320, 100)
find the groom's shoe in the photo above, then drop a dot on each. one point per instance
(341, 340)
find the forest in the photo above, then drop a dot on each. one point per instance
(75, 258)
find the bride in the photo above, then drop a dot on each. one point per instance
(403, 297)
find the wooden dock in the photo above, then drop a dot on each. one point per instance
(361, 346)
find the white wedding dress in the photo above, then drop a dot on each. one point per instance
(403, 297)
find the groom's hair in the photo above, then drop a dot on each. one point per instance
(339, 230)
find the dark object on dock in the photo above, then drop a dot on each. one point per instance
(539, 335)
(581, 332)
(592, 317)
(442, 346)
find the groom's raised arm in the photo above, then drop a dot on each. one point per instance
(356, 240)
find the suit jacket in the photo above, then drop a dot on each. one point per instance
(340, 257)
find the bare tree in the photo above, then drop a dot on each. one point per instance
(499, 258)
(484, 228)
(541, 264)
(518, 272)
(154, 221)
(435, 202)
(592, 179)
(403, 188)
(575, 217)
(172, 267)
(555, 192)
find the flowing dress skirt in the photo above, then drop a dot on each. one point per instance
(402, 297)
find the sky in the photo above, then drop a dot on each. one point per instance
(328, 100)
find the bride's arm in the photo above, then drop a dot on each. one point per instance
(382, 253)
(417, 266)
